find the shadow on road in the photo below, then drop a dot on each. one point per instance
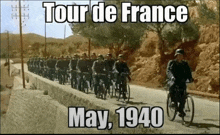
(204, 125)
(136, 103)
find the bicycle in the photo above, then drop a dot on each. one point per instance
(101, 90)
(188, 109)
(123, 88)
(73, 79)
(83, 79)
(51, 73)
(86, 82)
(62, 76)
(110, 85)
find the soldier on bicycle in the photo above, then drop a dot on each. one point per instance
(41, 66)
(36, 65)
(121, 71)
(51, 67)
(109, 63)
(82, 66)
(178, 71)
(28, 63)
(72, 67)
(90, 64)
(98, 67)
(60, 68)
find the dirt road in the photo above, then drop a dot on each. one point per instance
(206, 119)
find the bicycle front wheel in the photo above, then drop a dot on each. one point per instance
(171, 111)
(189, 110)
(127, 93)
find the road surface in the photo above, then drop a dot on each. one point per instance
(206, 119)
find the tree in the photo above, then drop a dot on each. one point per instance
(106, 34)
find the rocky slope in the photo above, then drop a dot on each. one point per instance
(203, 58)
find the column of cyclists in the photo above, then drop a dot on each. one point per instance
(105, 76)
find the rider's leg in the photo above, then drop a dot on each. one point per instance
(182, 99)
(96, 81)
(172, 93)
(80, 81)
(71, 79)
(124, 87)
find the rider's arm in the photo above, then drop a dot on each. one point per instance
(70, 65)
(169, 70)
(57, 65)
(94, 67)
(78, 66)
(115, 68)
(188, 71)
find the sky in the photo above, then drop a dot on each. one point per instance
(36, 22)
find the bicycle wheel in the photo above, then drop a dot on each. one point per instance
(127, 93)
(116, 91)
(171, 111)
(119, 92)
(189, 110)
(112, 90)
(86, 87)
(104, 92)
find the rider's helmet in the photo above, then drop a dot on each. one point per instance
(61, 57)
(179, 51)
(67, 57)
(120, 55)
(100, 56)
(109, 54)
(75, 56)
(84, 55)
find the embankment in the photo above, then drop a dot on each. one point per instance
(30, 111)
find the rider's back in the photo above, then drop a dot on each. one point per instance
(179, 70)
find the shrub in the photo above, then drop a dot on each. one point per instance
(207, 16)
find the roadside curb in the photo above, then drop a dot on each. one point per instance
(199, 93)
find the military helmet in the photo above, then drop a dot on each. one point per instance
(109, 54)
(120, 55)
(100, 56)
(61, 57)
(179, 51)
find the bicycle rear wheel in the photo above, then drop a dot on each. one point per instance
(171, 111)
(127, 93)
(189, 110)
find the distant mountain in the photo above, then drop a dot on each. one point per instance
(31, 38)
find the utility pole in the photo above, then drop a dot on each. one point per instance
(22, 62)
(89, 38)
(45, 51)
(8, 55)
(64, 35)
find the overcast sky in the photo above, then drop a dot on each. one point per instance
(36, 21)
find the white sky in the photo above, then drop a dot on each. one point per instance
(36, 21)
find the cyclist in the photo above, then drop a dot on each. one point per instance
(66, 67)
(28, 63)
(60, 68)
(90, 64)
(41, 66)
(98, 67)
(121, 67)
(82, 66)
(109, 63)
(36, 64)
(72, 67)
(178, 71)
(51, 67)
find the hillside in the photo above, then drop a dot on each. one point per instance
(31, 39)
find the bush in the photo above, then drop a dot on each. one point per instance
(176, 32)
(207, 16)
